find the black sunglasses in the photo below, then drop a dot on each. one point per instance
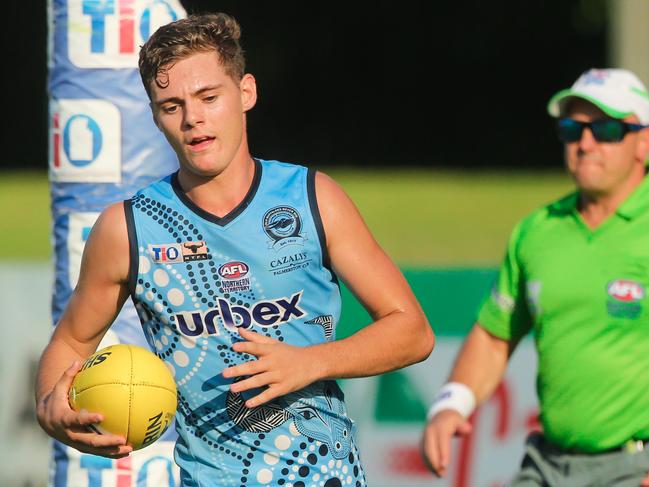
(609, 130)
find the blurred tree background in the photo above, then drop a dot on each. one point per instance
(413, 82)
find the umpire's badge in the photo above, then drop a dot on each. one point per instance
(625, 298)
(284, 226)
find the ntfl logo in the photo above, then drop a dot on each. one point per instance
(108, 33)
(175, 253)
(85, 141)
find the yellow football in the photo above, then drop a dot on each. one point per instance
(132, 388)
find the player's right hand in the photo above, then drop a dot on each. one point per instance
(68, 426)
(436, 440)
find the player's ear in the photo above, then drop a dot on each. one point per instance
(248, 89)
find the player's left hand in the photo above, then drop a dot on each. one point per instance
(279, 367)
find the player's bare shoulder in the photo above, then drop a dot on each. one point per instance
(334, 205)
(328, 189)
(107, 248)
(110, 227)
(341, 219)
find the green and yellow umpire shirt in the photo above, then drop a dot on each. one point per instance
(583, 292)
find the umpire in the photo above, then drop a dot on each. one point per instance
(576, 273)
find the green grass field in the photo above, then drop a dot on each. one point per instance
(423, 218)
(448, 219)
(25, 221)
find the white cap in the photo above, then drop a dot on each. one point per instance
(617, 92)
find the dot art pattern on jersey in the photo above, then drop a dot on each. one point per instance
(294, 441)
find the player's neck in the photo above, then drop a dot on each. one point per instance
(220, 194)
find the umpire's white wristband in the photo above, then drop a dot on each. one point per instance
(455, 396)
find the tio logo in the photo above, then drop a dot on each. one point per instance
(85, 141)
(86, 134)
(169, 253)
(108, 33)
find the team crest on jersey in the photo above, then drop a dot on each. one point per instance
(625, 298)
(177, 253)
(284, 227)
(234, 276)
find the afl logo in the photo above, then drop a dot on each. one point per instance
(233, 270)
(625, 291)
(284, 226)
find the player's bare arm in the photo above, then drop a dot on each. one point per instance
(480, 366)
(96, 300)
(399, 336)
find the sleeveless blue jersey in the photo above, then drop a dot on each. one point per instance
(194, 279)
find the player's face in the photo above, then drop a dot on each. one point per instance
(604, 168)
(201, 111)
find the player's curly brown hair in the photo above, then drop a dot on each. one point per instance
(197, 33)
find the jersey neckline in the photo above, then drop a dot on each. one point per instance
(236, 211)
